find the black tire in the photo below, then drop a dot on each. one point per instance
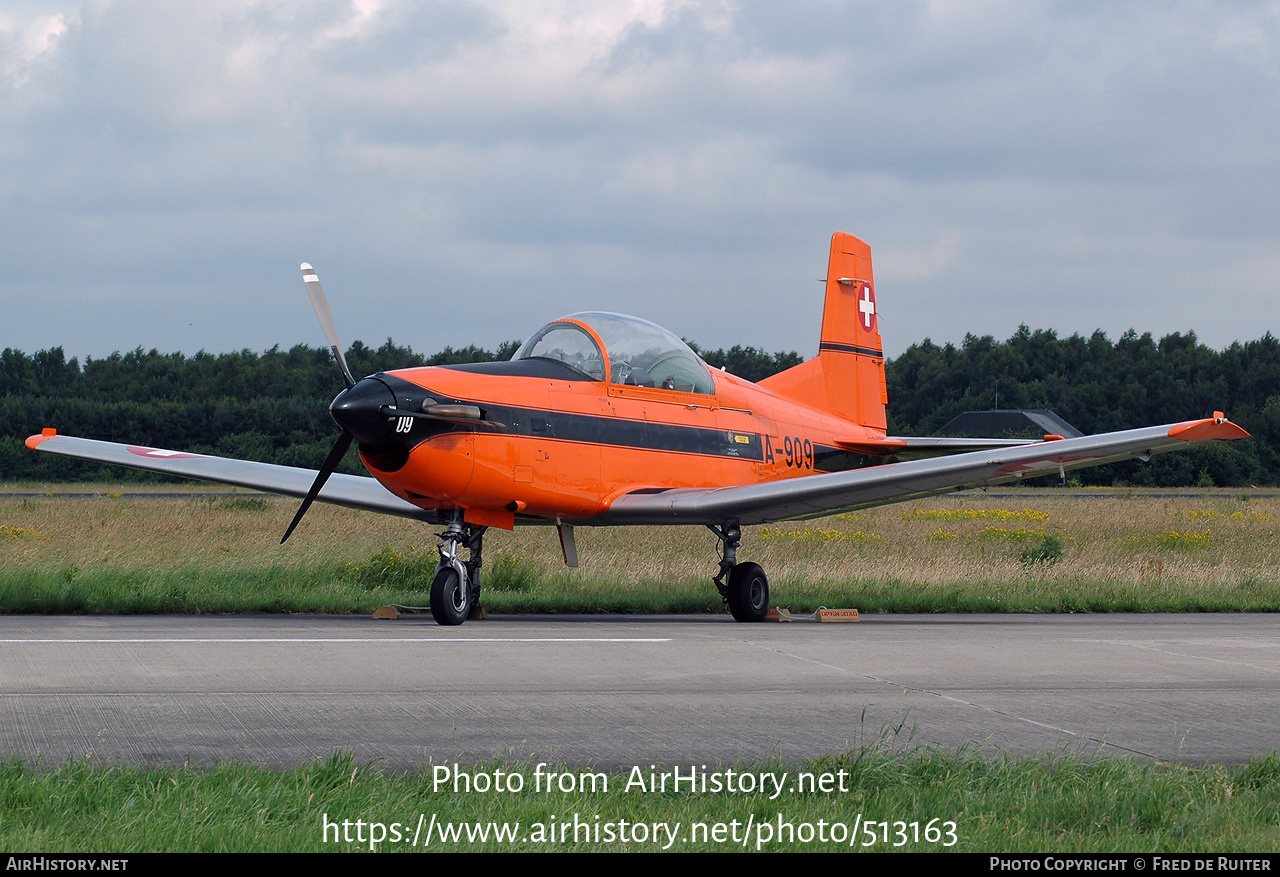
(450, 599)
(748, 592)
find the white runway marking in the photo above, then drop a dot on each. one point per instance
(339, 639)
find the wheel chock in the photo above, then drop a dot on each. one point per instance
(386, 612)
(478, 613)
(822, 614)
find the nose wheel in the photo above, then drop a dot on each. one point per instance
(455, 589)
(450, 598)
(743, 586)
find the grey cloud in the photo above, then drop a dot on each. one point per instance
(1061, 165)
(409, 34)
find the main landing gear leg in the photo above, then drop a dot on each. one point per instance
(747, 589)
(455, 590)
(475, 544)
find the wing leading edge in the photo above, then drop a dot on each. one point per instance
(818, 495)
(352, 491)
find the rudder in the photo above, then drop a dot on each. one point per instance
(847, 378)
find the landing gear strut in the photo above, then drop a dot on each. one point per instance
(455, 590)
(747, 588)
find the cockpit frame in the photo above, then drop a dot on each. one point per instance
(624, 351)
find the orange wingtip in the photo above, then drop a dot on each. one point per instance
(45, 434)
(1215, 427)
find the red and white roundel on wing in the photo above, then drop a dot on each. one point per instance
(867, 307)
(160, 454)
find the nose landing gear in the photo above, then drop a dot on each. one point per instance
(455, 589)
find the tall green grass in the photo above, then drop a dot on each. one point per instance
(1035, 554)
(509, 589)
(1048, 804)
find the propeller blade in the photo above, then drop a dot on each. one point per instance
(330, 463)
(321, 306)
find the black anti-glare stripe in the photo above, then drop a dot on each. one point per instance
(850, 348)
(585, 428)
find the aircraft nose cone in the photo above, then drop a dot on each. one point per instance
(359, 411)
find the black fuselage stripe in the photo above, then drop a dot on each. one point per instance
(608, 431)
(850, 348)
(616, 432)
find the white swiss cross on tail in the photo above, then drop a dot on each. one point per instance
(867, 307)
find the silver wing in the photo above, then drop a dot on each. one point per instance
(825, 494)
(803, 497)
(352, 491)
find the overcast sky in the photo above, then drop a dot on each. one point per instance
(461, 172)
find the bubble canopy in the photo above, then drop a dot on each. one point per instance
(621, 350)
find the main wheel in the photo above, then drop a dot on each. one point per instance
(748, 592)
(450, 598)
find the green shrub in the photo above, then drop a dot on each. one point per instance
(1047, 550)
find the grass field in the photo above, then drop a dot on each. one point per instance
(997, 805)
(1033, 552)
(1216, 552)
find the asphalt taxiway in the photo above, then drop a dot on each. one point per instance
(618, 691)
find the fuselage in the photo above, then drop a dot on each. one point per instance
(565, 446)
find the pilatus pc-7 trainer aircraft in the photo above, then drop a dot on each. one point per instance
(602, 420)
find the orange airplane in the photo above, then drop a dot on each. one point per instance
(601, 420)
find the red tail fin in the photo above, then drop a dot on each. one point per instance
(847, 378)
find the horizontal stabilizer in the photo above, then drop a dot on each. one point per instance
(915, 447)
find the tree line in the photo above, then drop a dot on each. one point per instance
(272, 406)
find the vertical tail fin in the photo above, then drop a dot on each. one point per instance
(847, 378)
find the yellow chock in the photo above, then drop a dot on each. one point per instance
(823, 614)
(386, 612)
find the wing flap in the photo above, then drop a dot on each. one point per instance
(352, 491)
(824, 494)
